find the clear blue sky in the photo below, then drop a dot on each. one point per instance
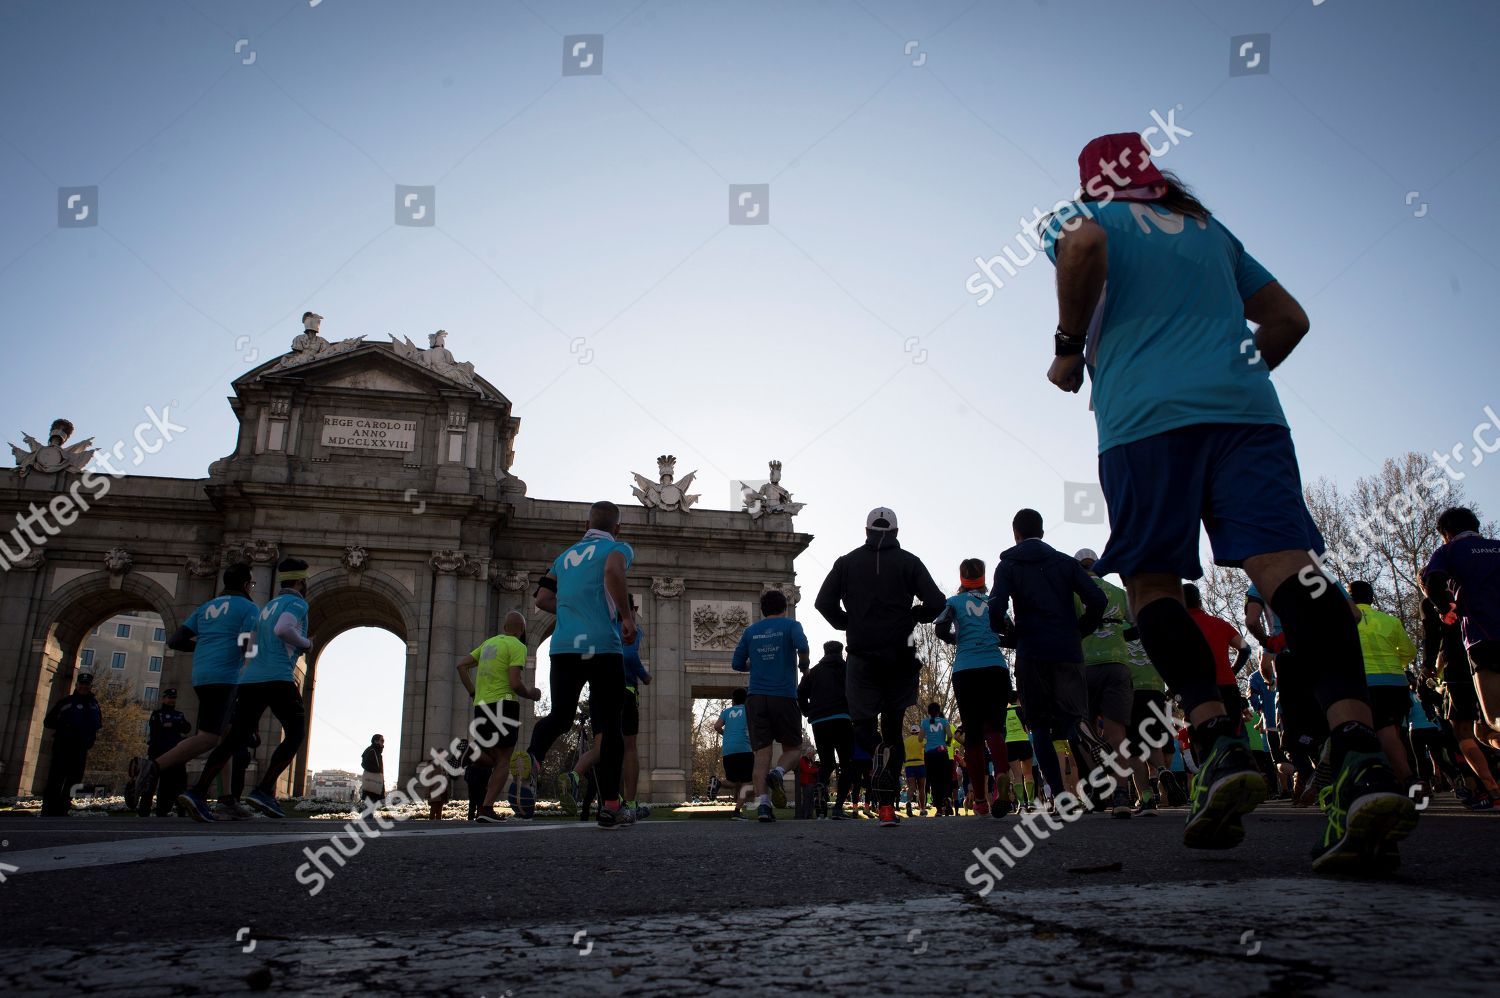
(234, 196)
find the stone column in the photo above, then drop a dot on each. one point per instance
(512, 589)
(261, 556)
(471, 594)
(664, 766)
(441, 678)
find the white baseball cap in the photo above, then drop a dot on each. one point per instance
(1085, 554)
(878, 514)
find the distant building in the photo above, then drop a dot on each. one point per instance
(128, 648)
(334, 784)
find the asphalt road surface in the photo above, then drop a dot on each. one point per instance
(117, 906)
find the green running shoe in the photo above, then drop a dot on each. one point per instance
(777, 789)
(1228, 786)
(569, 789)
(1366, 818)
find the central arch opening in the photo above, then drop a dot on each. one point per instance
(355, 685)
(361, 677)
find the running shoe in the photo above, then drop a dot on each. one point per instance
(615, 817)
(838, 813)
(777, 789)
(1227, 787)
(765, 814)
(1366, 817)
(144, 778)
(1171, 790)
(642, 811)
(264, 803)
(525, 805)
(569, 790)
(1482, 801)
(488, 816)
(1146, 808)
(982, 808)
(1119, 806)
(888, 817)
(232, 810)
(197, 807)
(1323, 775)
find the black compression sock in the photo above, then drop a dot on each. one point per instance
(1179, 651)
(1352, 736)
(1206, 735)
(1322, 633)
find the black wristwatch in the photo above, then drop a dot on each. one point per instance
(1067, 346)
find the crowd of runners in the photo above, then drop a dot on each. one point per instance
(1055, 669)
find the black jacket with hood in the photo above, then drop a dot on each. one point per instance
(1042, 581)
(821, 692)
(868, 595)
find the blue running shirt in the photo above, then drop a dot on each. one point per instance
(1166, 346)
(736, 730)
(1268, 618)
(585, 616)
(274, 660)
(768, 649)
(218, 655)
(977, 646)
(935, 731)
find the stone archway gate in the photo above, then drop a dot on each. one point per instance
(387, 468)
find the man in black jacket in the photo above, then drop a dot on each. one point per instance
(75, 722)
(868, 595)
(372, 762)
(167, 727)
(824, 702)
(1048, 636)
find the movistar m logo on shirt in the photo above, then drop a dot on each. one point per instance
(214, 611)
(573, 557)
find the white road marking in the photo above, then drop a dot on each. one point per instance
(68, 857)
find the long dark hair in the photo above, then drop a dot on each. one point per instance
(1181, 199)
(1178, 198)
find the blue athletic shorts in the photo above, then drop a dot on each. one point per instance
(1240, 481)
(916, 772)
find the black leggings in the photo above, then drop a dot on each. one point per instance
(606, 701)
(939, 778)
(835, 739)
(1428, 746)
(887, 781)
(251, 702)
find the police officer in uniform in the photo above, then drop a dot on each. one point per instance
(167, 727)
(74, 723)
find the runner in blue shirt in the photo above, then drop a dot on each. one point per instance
(1191, 435)
(935, 734)
(587, 649)
(738, 759)
(771, 650)
(981, 681)
(212, 635)
(1463, 576)
(268, 682)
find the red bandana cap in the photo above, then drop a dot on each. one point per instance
(1121, 161)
